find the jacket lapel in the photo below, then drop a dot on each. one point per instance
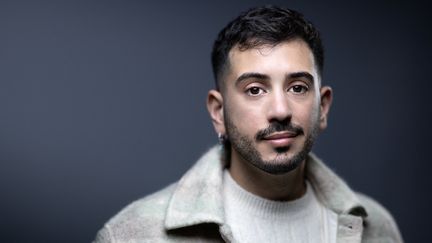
(335, 194)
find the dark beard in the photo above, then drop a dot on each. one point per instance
(244, 146)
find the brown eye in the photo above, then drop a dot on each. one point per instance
(254, 91)
(298, 89)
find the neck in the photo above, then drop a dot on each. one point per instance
(284, 187)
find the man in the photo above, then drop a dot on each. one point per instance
(261, 184)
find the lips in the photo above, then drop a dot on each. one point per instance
(280, 139)
(280, 135)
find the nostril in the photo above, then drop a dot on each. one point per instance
(281, 120)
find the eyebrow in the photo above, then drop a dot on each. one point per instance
(262, 76)
(246, 76)
(306, 75)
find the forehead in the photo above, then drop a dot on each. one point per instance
(286, 57)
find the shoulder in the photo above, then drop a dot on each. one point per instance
(379, 223)
(142, 219)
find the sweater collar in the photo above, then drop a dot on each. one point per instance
(197, 198)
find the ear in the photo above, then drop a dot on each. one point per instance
(326, 101)
(215, 109)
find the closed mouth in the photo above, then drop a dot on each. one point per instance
(281, 135)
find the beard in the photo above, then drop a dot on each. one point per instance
(281, 164)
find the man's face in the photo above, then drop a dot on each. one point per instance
(271, 105)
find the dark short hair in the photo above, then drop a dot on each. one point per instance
(264, 25)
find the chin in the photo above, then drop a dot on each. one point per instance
(278, 168)
(281, 160)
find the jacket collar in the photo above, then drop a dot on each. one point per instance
(331, 190)
(198, 196)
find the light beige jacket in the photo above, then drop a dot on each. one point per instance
(191, 210)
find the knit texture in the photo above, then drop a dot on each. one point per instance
(256, 219)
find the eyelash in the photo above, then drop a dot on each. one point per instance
(249, 90)
(303, 87)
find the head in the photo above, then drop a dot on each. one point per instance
(269, 102)
(260, 26)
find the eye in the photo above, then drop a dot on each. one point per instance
(254, 91)
(298, 89)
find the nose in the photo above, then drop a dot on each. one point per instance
(279, 108)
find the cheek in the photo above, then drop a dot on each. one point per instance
(306, 115)
(245, 117)
(314, 116)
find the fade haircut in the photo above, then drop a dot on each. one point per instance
(268, 25)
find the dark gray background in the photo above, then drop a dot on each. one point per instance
(103, 102)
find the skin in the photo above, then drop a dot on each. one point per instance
(264, 86)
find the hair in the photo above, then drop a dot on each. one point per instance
(268, 25)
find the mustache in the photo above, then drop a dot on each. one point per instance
(278, 127)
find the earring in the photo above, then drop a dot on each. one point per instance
(221, 138)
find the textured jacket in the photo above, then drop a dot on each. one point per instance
(191, 210)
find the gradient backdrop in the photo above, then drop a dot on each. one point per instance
(103, 102)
